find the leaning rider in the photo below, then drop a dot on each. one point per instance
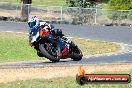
(57, 32)
(34, 26)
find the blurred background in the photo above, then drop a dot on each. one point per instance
(102, 12)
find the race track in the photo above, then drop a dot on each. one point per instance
(120, 34)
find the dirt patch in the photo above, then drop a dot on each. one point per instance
(12, 13)
(8, 75)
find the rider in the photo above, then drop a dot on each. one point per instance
(34, 26)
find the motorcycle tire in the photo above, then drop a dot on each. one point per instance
(76, 55)
(40, 54)
(47, 55)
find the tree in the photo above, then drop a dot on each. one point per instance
(26, 1)
(79, 14)
(25, 10)
(104, 1)
(116, 6)
(120, 4)
(82, 3)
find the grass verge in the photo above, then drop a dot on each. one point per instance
(41, 2)
(62, 82)
(94, 47)
(14, 47)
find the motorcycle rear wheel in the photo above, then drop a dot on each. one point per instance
(76, 54)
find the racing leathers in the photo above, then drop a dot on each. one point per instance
(34, 26)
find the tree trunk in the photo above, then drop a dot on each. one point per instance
(25, 9)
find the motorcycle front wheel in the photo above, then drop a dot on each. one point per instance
(50, 51)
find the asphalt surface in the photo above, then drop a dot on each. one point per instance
(121, 34)
(112, 33)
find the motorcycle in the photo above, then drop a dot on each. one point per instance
(47, 46)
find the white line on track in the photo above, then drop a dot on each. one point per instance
(125, 48)
(15, 32)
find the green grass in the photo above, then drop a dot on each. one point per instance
(41, 2)
(103, 6)
(93, 47)
(14, 47)
(50, 3)
(63, 82)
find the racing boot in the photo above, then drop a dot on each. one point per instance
(64, 52)
(30, 39)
